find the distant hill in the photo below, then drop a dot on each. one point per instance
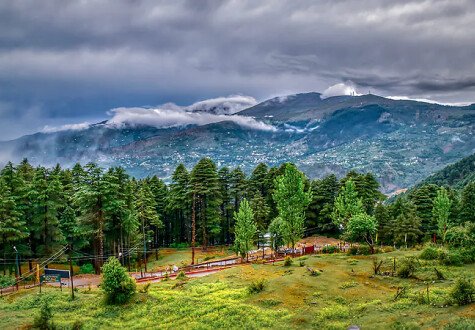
(401, 141)
(456, 175)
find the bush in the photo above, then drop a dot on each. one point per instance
(451, 258)
(6, 281)
(364, 250)
(118, 286)
(330, 249)
(256, 286)
(468, 254)
(407, 267)
(144, 288)
(179, 245)
(181, 276)
(353, 250)
(430, 252)
(288, 261)
(463, 292)
(301, 263)
(43, 320)
(86, 269)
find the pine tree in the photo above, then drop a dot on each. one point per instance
(423, 199)
(258, 180)
(291, 201)
(179, 201)
(367, 188)
(226, 207)
(260, 210)
(237, 186)
(441, 212)
(245, 229)
(89, 199)
(46, 201)
(406, 225)
(467, 207)
(320, 209)
(383, 217)
(172, 230)
(12, 228)
(204, 184)
(147, 216)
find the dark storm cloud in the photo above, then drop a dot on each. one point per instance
(65, 60)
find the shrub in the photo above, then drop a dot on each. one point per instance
(6, 281)
(144, 288)
(364, 250)
(118, 286)
(451, 258)
(407, 267)
(463, 292)
(86, 269)
(353, 250)
(387, 249)
(430, 252)
(181, 276)
(288, 261)
(256, 286)
(43, 320)
(179, 245)
(301, 263)
(330, 249)
(468, 254)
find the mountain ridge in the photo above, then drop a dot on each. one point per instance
(401, 141)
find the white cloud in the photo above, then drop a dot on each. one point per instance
(406, 98)
(339, 89)
(73, 127)
(200, 113)
(223, 105)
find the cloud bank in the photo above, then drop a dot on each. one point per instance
(171, 115)
(199, 113)
(223, 105)
(66, 127)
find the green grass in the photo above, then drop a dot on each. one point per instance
(344, 294)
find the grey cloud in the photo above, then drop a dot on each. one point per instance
(78, 59)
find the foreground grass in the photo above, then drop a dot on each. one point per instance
(343, 294)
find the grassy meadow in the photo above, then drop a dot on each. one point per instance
(342, 292)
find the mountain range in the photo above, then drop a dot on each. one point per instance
(400, 141)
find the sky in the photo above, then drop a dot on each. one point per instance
(73, 62)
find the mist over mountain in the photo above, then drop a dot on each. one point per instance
(401, 141)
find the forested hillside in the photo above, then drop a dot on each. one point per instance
(456, 175)
(320, 135)
(106, 212)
